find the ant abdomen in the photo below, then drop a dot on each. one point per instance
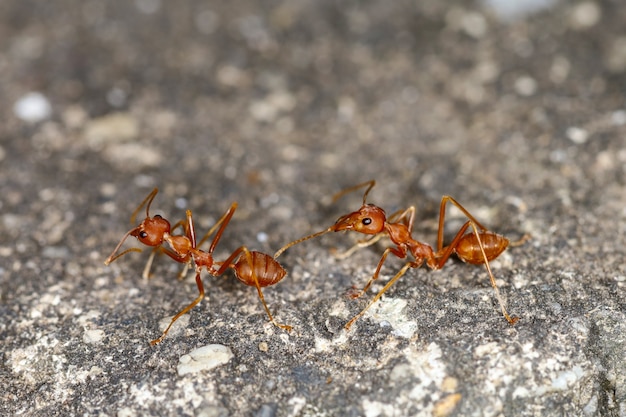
(468, 248)
(267, 270)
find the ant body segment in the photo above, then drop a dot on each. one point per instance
(479, 246)
(251, 267)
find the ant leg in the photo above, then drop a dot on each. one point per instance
(359, 245)
(374, 277)
(445, 199)
(184, 310)
(228, 263)
(221, 223)
(181, 223)
(183, 273)
(408, 215)
(158, 249)
(190, 232)
(443, 255)
(412, 264)
(212, 230)
(442, 214)
(258, 288)
(146, 270)
(511, 320)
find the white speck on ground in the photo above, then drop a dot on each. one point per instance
(32, 107)
(204, 358)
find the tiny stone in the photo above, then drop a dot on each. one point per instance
(204, 358)
(32, 107)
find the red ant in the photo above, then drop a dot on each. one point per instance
(252, 268)
(476, 247)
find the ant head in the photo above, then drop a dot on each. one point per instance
(150, 232)
(369, 220)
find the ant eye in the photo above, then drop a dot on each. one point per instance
(367, 221)
(143, 234)
(158, 216)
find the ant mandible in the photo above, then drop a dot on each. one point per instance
(476, 247)
(251, 267)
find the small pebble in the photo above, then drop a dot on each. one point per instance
(93, 336)
(204, 358)
(32, 107)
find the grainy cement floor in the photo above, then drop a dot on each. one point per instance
(278, 105)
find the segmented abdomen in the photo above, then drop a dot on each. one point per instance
(469, 251)
(268, 271)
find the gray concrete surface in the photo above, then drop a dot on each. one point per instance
(521, 116)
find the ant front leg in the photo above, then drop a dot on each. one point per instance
(412, 264)
(184, 248)
(359, 245)
(396, 251)
(221, 223)
(184, 310)
(190, 233)
(407, 215)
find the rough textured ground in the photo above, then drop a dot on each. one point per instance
(278, 105)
